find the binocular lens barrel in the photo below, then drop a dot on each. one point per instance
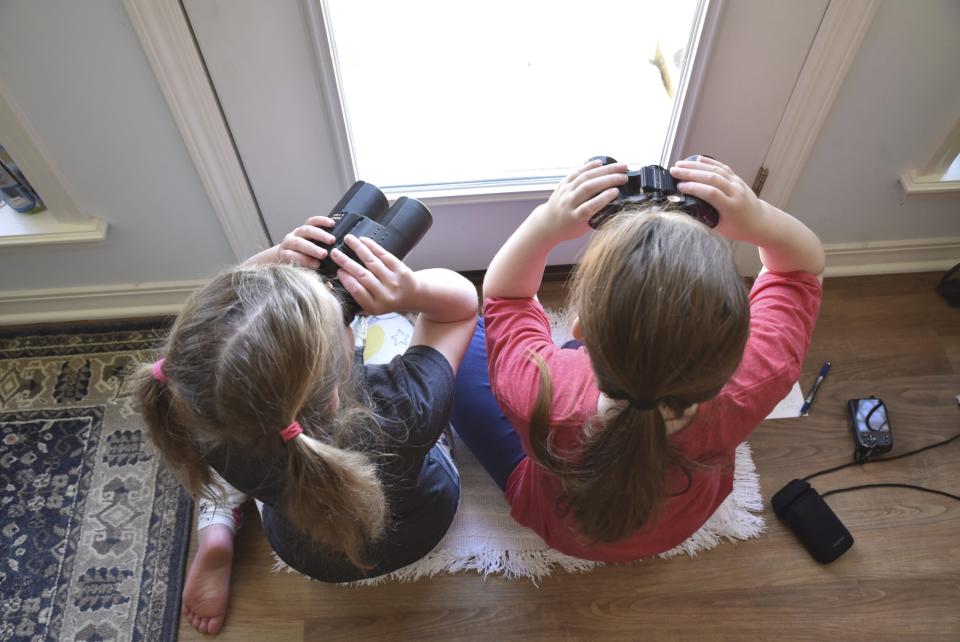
(408, 220)
(364, 211)
(364, 199)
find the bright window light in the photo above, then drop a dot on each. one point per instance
(953, 171)
(440, 93)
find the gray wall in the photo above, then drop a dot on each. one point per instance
(78, 71)
(900, 98)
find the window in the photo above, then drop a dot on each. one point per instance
(54, 219)
(942, 173)
(16, 192)
(953, 170)
(505, 91)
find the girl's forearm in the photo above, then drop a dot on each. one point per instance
(787, 245)
(516, 271)
(443, 296)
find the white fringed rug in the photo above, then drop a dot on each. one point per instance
(485, 539)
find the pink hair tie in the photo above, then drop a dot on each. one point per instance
(158, 372)
(291, 431)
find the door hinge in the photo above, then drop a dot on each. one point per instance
(760, 180)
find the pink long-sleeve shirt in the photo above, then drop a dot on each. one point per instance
(783, 311)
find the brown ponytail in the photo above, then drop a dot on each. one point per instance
(664, 317)
(259, 347)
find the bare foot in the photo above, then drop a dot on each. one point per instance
(207, 590)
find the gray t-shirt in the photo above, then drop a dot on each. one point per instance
(412, 396)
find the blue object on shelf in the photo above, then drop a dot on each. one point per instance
(15, 191)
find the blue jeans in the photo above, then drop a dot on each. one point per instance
(477, 417)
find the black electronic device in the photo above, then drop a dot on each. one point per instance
(803, 509)
(819, 529)
(654, 184)
(871, 427)
(364, 211)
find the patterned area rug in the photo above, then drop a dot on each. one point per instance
(93, 531)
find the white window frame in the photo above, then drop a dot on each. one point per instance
(495, 190)
(63, 221)
(931, 179)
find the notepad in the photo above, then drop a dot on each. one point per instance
(790, 405)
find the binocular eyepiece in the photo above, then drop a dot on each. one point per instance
(654, 184)
(364, 211)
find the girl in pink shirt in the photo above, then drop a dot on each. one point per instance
(623, 447)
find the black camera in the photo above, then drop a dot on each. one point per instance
(654, 184)
(364, 211)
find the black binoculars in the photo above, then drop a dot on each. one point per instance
(653, 184)
(364, 211)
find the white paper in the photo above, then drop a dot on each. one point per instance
(790, 405)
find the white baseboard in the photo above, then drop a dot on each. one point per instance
(892, 257)
(166, 298)
(94, 303)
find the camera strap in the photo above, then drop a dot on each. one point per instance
(654, 178)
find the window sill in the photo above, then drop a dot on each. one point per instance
(913, 184)
(43, 228)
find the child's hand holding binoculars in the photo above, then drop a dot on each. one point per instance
(382, 284)
(577, 198)
(742, 213)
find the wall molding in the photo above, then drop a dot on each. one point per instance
(838, 39)
(91, 303)
(138, 300)
(892, 257)
(169, 45)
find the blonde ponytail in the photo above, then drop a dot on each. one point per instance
(174, 441)
(339, 484)
(255, 347)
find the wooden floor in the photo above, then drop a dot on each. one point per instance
(890, 336)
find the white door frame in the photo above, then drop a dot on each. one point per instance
(169, 45)
(841, 33)
(838, 39)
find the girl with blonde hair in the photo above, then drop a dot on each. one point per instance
(258, 394)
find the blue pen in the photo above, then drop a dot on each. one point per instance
(805, 408)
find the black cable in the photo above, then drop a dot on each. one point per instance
(835, 468)
(926, 490)
(866, 420)
(860, 457)
(871, 461)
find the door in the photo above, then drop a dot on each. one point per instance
(272, 68)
